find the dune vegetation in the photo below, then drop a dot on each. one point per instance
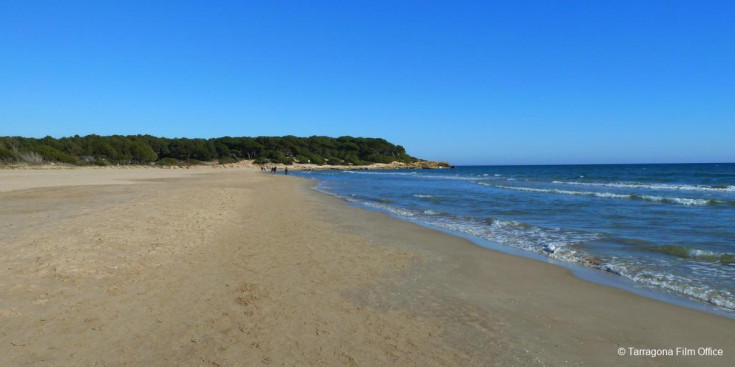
(147, 149)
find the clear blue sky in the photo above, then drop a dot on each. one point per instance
(506, 82)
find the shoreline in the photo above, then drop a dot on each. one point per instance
(580, 271)
(557, 284)
(234, 267)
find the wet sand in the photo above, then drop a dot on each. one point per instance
(236, 267)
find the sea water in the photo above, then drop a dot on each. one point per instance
(669, 227)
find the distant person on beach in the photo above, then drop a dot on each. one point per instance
(286, 170)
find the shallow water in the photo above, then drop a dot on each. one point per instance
(668, 227)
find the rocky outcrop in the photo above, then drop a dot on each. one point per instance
(429, 164)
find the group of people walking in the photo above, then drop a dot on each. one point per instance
(273, 169)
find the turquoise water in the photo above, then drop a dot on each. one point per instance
(665, 227)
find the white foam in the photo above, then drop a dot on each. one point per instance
(655, 186)
(389, 208)
(382, 173)
(611, 195)
(676, 284)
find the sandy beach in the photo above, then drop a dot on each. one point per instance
(234, 267)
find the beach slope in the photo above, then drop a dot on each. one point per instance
(237, 267)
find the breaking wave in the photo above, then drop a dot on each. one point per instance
(657, 186)
(611, 195)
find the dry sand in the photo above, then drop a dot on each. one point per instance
(239, 268)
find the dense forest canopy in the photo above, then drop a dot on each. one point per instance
(146, 149)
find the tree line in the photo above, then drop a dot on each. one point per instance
(147, 149)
